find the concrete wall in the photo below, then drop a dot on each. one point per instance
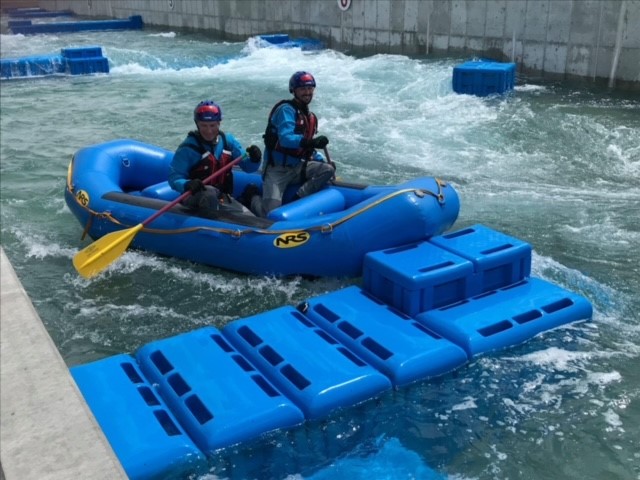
(557, 39)
(48, 431)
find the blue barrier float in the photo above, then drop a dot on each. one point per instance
(206, 382)
(319, 378)
(507, 316)
(394, 343)
(26, 27)
(282, 40)
(483, 77)
(469, 291)
(142, 431)
(70, 61)
(39, 13)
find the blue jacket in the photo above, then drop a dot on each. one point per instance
(187, 156)
(284, 120)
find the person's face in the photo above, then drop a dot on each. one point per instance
(304, 94)
(208, 130)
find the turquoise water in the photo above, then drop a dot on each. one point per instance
(556, 166)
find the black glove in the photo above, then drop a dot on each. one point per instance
(255, 155)
(194, 186)
(319, 142)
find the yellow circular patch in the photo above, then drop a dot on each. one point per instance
(291, 239)
(82, 197)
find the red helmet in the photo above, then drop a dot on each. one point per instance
(301, 79)
(207, 111)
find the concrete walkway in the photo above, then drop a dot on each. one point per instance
(46, 429)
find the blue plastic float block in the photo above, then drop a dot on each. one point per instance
(40, 13)
(276, 38)
(482, 78)
(87, 66)
(394, 343)
(417, 277)
(81, 52)
(26, 27)
(304, 362)
(217, 395)
(506, 317)
(143, 433)
(31, 66)
(498, 259)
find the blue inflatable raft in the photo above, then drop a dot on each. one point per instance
(119, 184)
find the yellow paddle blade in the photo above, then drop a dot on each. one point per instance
(103, 252)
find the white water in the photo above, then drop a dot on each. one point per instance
(555, 166)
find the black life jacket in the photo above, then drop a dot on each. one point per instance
(209, 164)
(306, 125)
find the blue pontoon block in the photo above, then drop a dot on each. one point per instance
(214, 392)
(498, 259)
(506, 317)
(282, 40)
(418, 277)
(304, 362)
(144, 434)
(392, 342)
(40, 13)
(26, 27)
(73, 60)
(482, 78)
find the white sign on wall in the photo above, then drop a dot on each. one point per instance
(344, 5)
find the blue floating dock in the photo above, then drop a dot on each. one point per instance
(425, 309)
(394, 343)
(70, 61)
(482, 77)
(506, 317)
(142, 431)
(26, 27)
(218, 396)
(304, 362)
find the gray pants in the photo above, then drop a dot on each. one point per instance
(277, 178)
(211, 200)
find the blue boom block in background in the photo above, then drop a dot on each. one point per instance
(38, 13)
(282, 40)
(71, 61)
(482, 78)
(25, 27)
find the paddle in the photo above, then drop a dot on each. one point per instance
(326, 154)
(100, 254)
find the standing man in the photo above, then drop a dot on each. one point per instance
(290, 150)
(202, 153)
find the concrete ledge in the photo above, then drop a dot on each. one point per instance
(46, 429)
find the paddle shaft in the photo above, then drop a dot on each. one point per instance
(326, 154)
(173, 203)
